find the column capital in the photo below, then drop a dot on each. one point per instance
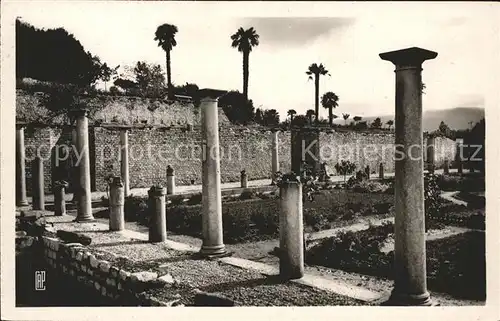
(409, 57)
(79, 112)
(209, 94)
(21, 125)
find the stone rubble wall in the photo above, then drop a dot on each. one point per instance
(74, 261)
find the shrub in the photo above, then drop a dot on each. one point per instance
(195, 199)
(136, 209)
(367, 186)
(247, 195)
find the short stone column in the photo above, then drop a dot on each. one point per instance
(381, 171)
(446, 167)
(116, 205)
(124, 168)
(275, 164)
(291, 229)
(59, 201)
(244, 179)
(170, 180)
(367, 171)
(84, 193)
(213, 244)
(431, 153)
(158, 212)
(410, 280)
(37, 179)
(21, 198)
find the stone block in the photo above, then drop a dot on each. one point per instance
(124, 275)
(104, 266)
(97, 286)
(94, 263)
(103, 290)
(79, 256)
(114, 272)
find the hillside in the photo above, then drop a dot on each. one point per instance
(455, 118)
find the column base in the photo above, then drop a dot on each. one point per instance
(88, 219)
(214, 251)
(398, 299)
(22, 203)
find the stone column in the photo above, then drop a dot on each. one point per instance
(170, 180)
(213, 244)
(59, 201)
(21, 199)
(446, 167)
(158, 212)
(381, 171)
(275, 164)
(410, 280)
(124, 169)
(116, 205)
(244, 179)
(291, 230)
(431, 153)
(74, 169)
(37, 180)
(84, 194)
(459, 155)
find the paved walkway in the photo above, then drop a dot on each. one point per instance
(186, 189)
(449, 197)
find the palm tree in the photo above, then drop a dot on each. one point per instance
(317, 71)
(329, 100)
(291, 113)
(165, 35)
(309, 114)
(390, 123)
(245, 40)
(345, 116)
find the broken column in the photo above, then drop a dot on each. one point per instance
(116, 205)
(170, 180)
(83, 192)
(38, 189)
(381, 171)
(446, 167)
(124, 169)
(291, 229)
(275, 165)
(213, 244)
(410, 281)
(158, 212)
(244, 179)
(59, 201)
(21, 199)
(431, 154)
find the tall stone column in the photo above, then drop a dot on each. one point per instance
(431, 153)
(275, 164)
(21, 199)
(213, 244)
(124, 169)
(84, 194)
(410, 280)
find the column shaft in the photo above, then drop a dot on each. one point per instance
(124, 168)
(84, 193)
(21, 199)
(211, 190)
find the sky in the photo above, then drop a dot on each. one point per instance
(346, 38)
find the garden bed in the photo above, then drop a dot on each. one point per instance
(455, 265)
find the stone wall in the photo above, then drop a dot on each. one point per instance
(151, 150)
(74, 261)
